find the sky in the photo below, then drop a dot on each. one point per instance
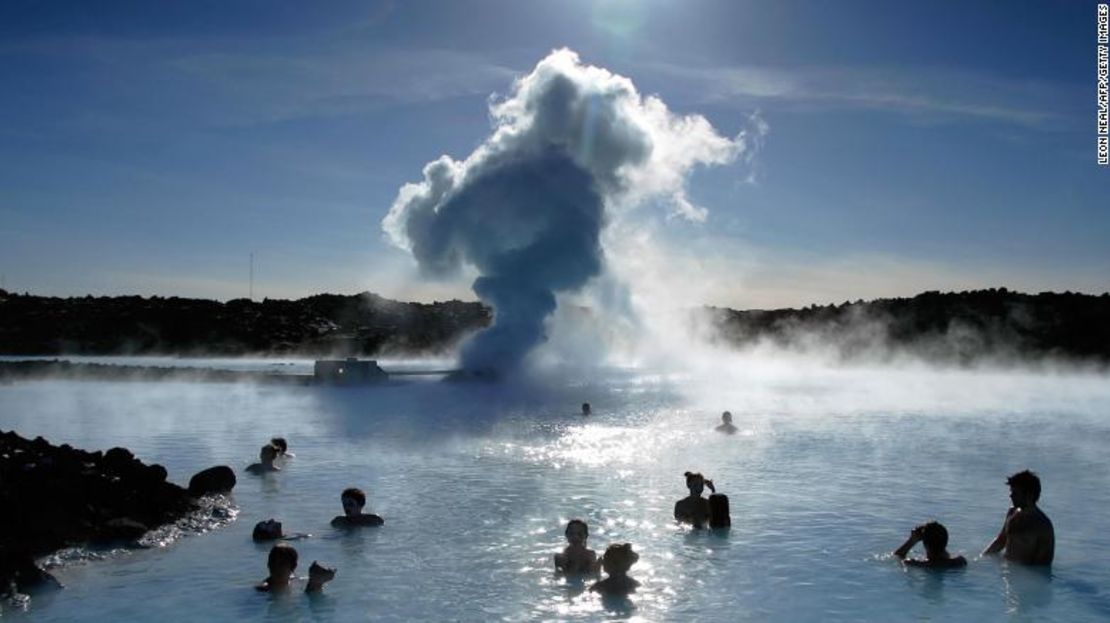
(151, 148)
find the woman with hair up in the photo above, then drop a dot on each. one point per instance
(694, 509)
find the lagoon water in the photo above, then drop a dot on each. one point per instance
(830, 470)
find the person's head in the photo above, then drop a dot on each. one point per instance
(280, 443)
(267, 530)
(282, 561)
(586, 408)
(726, 417)
(353, 500)
(619, 558)
(268, 453)
(1025, 488)
(577, 532)
(695, 482)
(934, 536)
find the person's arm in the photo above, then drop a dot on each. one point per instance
(999, 542)
(904, 548)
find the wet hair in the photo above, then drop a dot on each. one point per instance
(267, 530)
(934, 536)
(578, 522)
(719, 516)
(1026, 481)
(282, 554)
(623, 551)
(355, 494)
(268, 451)
(279, 443)
(692, 475)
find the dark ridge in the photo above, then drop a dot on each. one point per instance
(326, 324)
(956, 327)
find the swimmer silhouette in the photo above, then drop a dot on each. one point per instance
(586, 410)
(353, 500)
(282, 447)
(618, 559)
(271, 530)
(318, 576)
(266, 457)
(1027, 535)
(934, 536)
(719, 516)
(726, 426)
(576, 558)
(282, 562)
(694, 509)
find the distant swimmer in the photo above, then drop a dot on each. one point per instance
(281, 563)
(694, 509)
(726, 424)
(576, 558)
(353, 500)
(271, 530)
(934, 537)
(266, 457)
(1027, 535)
(618, 559)
(586, 409)
(282, 447)
(318, 576)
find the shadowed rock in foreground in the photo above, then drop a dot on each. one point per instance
(57, 496)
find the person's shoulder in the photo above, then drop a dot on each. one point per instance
(340, 521)
(369, 520)
(957, 561)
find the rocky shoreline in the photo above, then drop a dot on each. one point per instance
(52, 497)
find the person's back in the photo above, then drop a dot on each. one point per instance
(693, 509)
(616, 561)
(1027, 535)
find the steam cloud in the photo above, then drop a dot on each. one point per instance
(572, 146)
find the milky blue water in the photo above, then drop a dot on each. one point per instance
(831, 469)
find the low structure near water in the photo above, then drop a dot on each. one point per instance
(349, 371)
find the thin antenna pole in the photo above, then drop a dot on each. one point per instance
(252, 276)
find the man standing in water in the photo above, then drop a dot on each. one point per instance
(1027, 535)
(726, 426)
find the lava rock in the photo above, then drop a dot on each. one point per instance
(218, 479)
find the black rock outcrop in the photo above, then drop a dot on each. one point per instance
(57, 496)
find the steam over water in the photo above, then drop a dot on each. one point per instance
(830, 470)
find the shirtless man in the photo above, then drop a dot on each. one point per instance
(576, 558)
(934, 536)
(694, 509)
(726, 426)
(1026, 535)
(618, 559)
(353, 500)
(266, 458)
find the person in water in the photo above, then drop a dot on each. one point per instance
(1027, 535)
(694, 509)
(618, 559)
(353, 500)
(726, 424)
(266, 458)
(282, 447)
(282, 562)
(271, 530)
(586, 409)
(318, 576)
(576, 558)
(934, 536)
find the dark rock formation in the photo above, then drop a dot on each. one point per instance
(56, 496)
(326, 324)
(218, 479)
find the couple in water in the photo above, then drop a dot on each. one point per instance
(282, 562)
(698, 511)
(277, 448)
(577, 559)
(1027, 536)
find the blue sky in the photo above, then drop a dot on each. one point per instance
(149, 148)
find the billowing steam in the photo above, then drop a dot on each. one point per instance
(572, 145)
